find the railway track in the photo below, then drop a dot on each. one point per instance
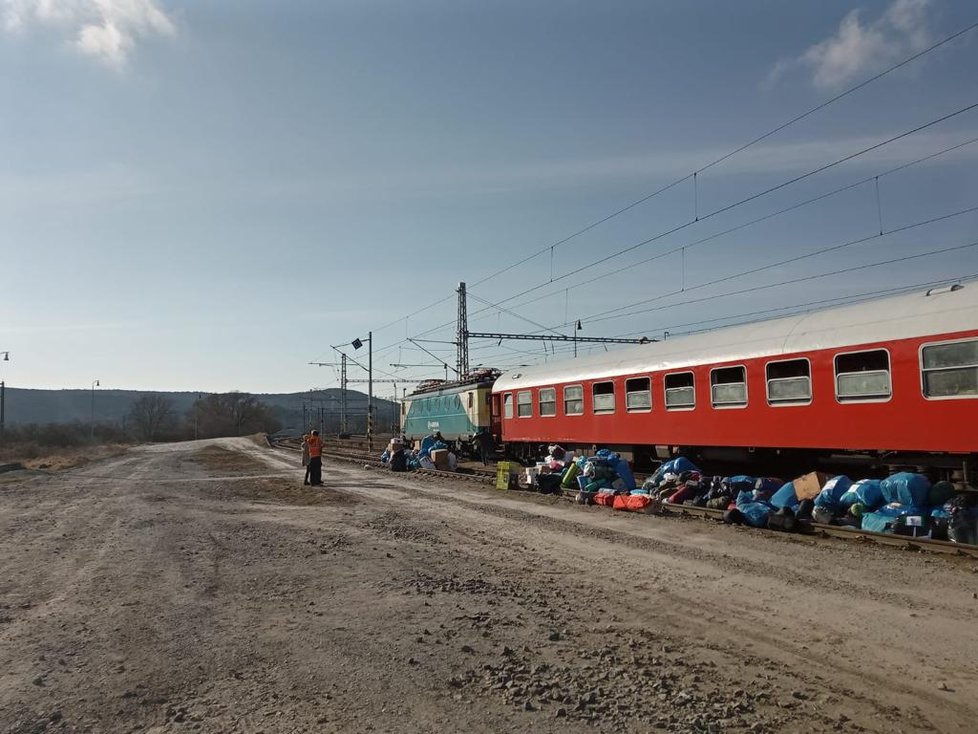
(356, 455)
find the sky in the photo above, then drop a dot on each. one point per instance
(210, 195)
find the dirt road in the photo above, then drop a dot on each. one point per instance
(199, 587)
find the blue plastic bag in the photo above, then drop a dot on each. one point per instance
(768, 485)
(625, 473)
(883, 520)
(833, 491)
(941, 513)
(741, 483)
(755, 513)
(867, 492)
(675, 466)
(906, 488)
(786, 497)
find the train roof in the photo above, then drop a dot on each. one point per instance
(450, 388)
(938, 311)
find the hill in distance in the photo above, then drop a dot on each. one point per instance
(26, 406)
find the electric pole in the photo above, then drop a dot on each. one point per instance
(462, 335)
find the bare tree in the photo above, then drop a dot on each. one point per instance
(234, 414)
(150, 415)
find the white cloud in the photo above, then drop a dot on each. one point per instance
(861, 46)
(103, 29)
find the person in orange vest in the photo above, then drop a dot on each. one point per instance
(315, 445)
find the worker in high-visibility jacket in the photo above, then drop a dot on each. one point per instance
(315, 445)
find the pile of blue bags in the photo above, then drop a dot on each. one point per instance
(605, 471)
(905, 502)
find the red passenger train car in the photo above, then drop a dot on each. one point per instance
(891, 381)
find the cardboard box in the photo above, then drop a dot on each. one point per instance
(440, 459)
(808, 486)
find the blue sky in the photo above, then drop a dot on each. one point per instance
(207, 195)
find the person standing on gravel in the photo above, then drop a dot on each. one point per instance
(315, 446)
(305, 456)
(486, 445)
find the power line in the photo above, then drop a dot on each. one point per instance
(511, 313)
(793, 281)
(796, 258)
(836, 300)
(729, 207)
(759, 194)
(593, 278)
(706, 167)
(734, 152)
(764, 314)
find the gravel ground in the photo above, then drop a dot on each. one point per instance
(200, 587)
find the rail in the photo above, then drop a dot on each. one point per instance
(816, 531)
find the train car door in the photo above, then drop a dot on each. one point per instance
(495, 417)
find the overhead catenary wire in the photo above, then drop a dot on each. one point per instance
(765, 314)
(794, 259)
(592, 278)
(793, 281)
(729, 207)
(735, 151)
(760, 138)
(756, 196)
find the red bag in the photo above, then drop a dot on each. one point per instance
(604, 498)
(638, 502)
(620, 502)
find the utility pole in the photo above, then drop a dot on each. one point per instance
(356, 344)
(3, 417)
(95, 384)
(343, 426)
(370, 392)
(3, 406)
(462, 335)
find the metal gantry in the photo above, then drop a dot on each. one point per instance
(462, 334)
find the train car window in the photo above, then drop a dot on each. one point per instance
(548, 401)
(862, 376)
(524, 404)
(471, 398)
(638, 394)
(680, 393)
(950, 370)
(729, 387)
(603, 394)
(789, 382)
(508, 405)
(574, 400)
